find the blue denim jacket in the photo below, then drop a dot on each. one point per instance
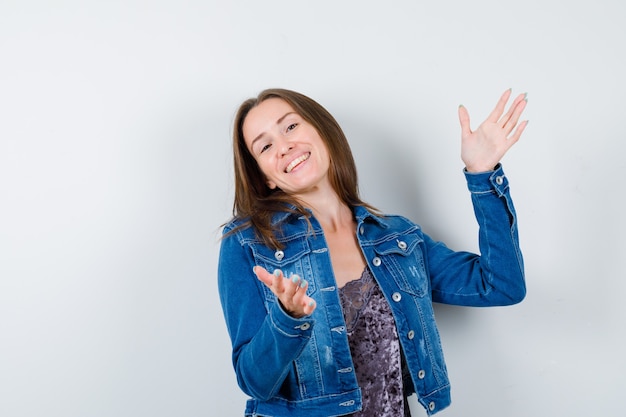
(303, 366)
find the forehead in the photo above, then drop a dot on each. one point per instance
(264, 116)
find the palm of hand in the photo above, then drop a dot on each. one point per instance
(482, 149)
(290, 291)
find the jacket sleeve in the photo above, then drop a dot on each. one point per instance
(265, 339)
(496, 276)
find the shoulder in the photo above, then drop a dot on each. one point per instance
(234, 224)
(237, 229)
(396, 221)
(384, 220)
(382, 227)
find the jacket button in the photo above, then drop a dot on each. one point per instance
(305, 326)
(396, 296)
(376, 261)
(499, 179)
(279, 255)
(361, 230)
(421, 374)
(411, 334)
(431, 405)
(402, 245)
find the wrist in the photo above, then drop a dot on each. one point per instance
(480, 169)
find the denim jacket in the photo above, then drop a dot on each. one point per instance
(302, 366)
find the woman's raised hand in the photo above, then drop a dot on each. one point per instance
(290, 291)
(482, 149)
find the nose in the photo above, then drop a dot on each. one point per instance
(284, 147)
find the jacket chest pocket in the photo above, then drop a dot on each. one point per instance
(292, 259)
(403, 258)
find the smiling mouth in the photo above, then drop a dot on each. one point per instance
(297, 162)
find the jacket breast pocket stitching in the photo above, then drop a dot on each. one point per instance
(406, 266)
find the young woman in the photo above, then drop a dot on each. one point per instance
(328, 302)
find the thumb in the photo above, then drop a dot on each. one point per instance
(465, 121)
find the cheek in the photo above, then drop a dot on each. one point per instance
(265, 166)
(326, 159)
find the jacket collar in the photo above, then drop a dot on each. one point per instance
(361, 214)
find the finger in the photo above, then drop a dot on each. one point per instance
(464, 119)
(515, 115)
(278, 286)
(499, 109)
(292, 285)
(291, 291)
(303, 300)
(308, 304)
(263, 276)
(504, 120)
(518, 132)
(274, 281)
(309, 307)
(300, 291)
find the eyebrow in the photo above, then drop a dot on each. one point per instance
(277, 122)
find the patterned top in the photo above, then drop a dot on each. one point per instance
(375, 348)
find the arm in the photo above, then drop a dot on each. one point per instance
(497, 276)
(264, 337)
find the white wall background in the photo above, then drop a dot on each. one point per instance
(115, 175)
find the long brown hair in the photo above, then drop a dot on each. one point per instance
(254, 200)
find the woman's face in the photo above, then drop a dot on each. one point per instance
(288, 149)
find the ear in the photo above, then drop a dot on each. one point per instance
(271, 184)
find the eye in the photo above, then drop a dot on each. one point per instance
(292, 127)
(264, 148)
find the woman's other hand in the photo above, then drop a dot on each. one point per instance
(482, 149)
(290, 291)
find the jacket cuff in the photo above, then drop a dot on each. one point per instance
(290, 326)
(488, 181)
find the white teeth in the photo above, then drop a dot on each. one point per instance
(297, 161)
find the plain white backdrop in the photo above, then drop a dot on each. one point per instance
(116, 174)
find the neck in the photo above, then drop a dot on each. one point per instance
(332, 213)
